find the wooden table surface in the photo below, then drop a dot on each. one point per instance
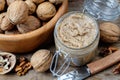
(32, 75)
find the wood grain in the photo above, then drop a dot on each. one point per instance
(104, 63)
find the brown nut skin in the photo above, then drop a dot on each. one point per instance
(6, 24)
(31, 24)
(46, 11)
(17, 12)
(31, 6)
(37, 1)
(41, 60)
(11, 1)
(2, 5)
(12, 59)
(56, 1)
(109, 32)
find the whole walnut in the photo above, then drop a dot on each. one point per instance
(31, 6)
(2, 5)
(17, 12)
(31, 24)
(37, 1)
(41, 60)
(46, 11)
(109, 32)
(12, 32)
(11, 1)
(6, 24)
(56, 1)
(2, 15)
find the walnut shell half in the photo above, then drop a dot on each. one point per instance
(10, 58)
(17, 12)
(41, 60)
(109, 32)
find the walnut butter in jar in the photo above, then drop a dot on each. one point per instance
(76, 37)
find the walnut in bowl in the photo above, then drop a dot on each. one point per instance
(26, 42)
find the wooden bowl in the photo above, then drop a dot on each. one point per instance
(27, 42)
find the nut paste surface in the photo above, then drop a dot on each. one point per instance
(77, 36)
(77, 31)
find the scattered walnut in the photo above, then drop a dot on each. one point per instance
(109, 32)
(41, 60)
(116, 70)
(107, 50)
(46, 11)
(23, 67)
(22, 59)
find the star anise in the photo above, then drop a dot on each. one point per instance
(107, 50)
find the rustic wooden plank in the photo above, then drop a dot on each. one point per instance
(32, 75)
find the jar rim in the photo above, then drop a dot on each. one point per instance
(66, 15)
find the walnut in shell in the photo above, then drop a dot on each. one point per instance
(7, 62)
(31, 6)
(17, 12)
(6, 24)
(41, 60)
(11, 1)
(46, 10)
(31, 24)
(2, 15)
(109, 32)
(56, 1)
(37, 1)
(2, 5)
(44, 23)
(12, 32)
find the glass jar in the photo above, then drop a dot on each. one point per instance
(77, 56)
(108, 10)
